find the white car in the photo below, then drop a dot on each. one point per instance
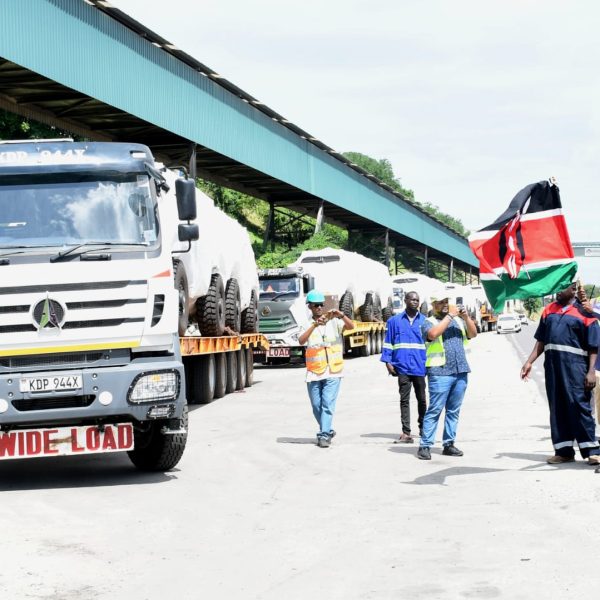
(508, 323)
(523, 319)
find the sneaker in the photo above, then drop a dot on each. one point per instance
(594, 460)
(332, 434)
(452, 450)
(558, 460)
(424, 453)
(323, 442)
(405, 438)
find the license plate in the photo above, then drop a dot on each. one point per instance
(275, 352)
(59, 382)
(64, 441)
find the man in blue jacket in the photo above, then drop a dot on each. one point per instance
(404, 356)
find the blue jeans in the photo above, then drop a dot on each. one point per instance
(323, 395)
(445, 392)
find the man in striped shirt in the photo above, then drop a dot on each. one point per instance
(404, 356)
(568, 337)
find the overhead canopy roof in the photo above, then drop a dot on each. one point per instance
(105, 76)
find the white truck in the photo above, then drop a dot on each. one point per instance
(89, 352)
(359, 286)
(217, 279)
(413, 282)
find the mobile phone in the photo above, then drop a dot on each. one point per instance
(459, 300)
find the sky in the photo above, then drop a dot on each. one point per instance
(470, 101)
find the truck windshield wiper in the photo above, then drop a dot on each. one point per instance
(283, 294)
(105, 245)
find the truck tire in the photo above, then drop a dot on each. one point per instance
(157, 451)
(181, 285)
(211, 309)
(241, 370)
(232, 372)
(377, 342)
(377, 310)
(203, 380)
(220, 375)
(347, 304)
(388, 310)
(367, 313)
(233, 309)
(367, 348)
(249, 367)
(250, 315)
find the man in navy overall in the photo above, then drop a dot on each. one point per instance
(404, 356)
(569, 339)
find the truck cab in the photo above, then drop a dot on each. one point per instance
(89, 353)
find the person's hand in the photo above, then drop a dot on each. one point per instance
(321, 320)
(525, 370)
(334, 313)
(587, 306)
(453, 311)
(391, 369)
(462, 312)
(581, 295)
(590, 381)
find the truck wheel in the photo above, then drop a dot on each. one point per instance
(231, 372)
(211, 309)
(250, 315)
(241, 370)
(388, 311)
(377, 342)
(157, 451)
(377, 311)
(249, 367)
(366, 310)
(367, 348)
(347, 304)
(181, 285)
(220, 375)
(203, 380)
(233, 310)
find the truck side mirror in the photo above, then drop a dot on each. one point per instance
(185, 190)
(308, 283)
(188, 232)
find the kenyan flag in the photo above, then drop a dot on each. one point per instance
(527, 251)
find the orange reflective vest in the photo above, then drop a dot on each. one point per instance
(325, 350)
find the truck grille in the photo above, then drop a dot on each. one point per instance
(276, 324)
(66, 359)
(53, 402)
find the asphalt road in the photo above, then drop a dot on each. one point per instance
(256, 511)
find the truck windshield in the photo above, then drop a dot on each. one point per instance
(50, 213)
(271, 287)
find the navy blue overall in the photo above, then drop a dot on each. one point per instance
(568, 337)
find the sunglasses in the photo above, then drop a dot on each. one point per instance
(318, 305)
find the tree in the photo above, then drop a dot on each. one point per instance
(532, 305)
(15, 127)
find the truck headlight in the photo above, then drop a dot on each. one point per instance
(159, 385)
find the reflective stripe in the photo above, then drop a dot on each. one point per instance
(436, 355)
(563, 348)
(563, 445)
(588, 445)
(407, 345)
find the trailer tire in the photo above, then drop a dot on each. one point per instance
(249, 367)
(367, 349)
(203, 379)
(220, 375)
(347, 304)
(232, 372)
(157, 451)
(180, 281)
(378, 342)
(211, 309)
(250, 315)
(377, 310)
(241, 370)
(388, 311)
(233, 309)
(366, 310)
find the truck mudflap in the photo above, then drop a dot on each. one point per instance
(65, 441)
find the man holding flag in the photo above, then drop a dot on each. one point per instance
(527, 253)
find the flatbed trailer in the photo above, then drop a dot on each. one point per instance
(215, 366)
(364, 339)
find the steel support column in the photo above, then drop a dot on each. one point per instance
(270, 229)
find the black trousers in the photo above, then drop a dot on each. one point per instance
(404, 384)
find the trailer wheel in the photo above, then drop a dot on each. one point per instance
(233, 310)
(232, 372)
(388, 311)
(211, 309)
(157, 451)
(377, 342)
(347, 304)
(203, 379)
(377, 310)
(249, 367)
(250, 315)
(241, 370)
(220, 374)
(181, 285)
(366, 350)
(367, 313)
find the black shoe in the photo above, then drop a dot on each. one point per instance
(452, 450)
(332, 434)
(424, 453)
(323, 442)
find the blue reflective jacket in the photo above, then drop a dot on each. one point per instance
(403, 346)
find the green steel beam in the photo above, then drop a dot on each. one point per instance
(83, 48)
